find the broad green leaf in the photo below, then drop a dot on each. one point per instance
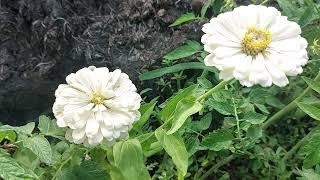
(49, 127)
(8, 134)
(254, 132)
(311, 150)
(26, 129)
(224, 108)
(128, 158)
(170, 106)
(175, 68)
(190, 48)
(10, 169)
(26, 158)
(203, 123)
(185, 108)
(40, 146)
(312, 84)
(87, 170)
(311, 110)
(218, 139)
(308, 174)
(175, 147)
(146, 111)
(184, 18)
(254, 118)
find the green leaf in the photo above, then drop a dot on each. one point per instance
(184, 18)
(217, 5)
(254, 132)
(128, 158)
(50, 128)
(190, 48)
(203, 123)
(254, 118)
(170, 106)
(175, 68)
(40, 146)
(218, 140)
(10, 169)
(185, 108)
(26, 129)
(86, 170)
(203, 82)
(205, 8)
(311, 110)
(8, 134)
(290, 9)
(312, 84)
(175, 147)
(307, 16)
(308, 174)
(311, 150)
(146, 110)
(224, 108)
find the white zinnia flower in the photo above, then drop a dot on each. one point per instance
(97, 105)
(255, 45)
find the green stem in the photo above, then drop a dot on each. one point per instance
(217, 166)
(180, 176)
(237, 118)
(264, 2)
(214, 89)
(291, 106)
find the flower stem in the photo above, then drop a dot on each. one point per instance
(217, 166)
(291, 106)
(214, 89)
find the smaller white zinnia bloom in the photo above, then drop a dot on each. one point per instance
(96, 105)
(255, 45)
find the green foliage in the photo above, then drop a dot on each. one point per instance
(175, 68)
(146, 110)
(184, 18)
(190, 48)
(128, 158)
(174, 146)
(311, 110)
(49, 127)
(10, 169)
(218, 140)
(40, 146)
(311, 151)
(185, 108)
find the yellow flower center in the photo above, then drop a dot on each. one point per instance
(97, 98)
(255, 41)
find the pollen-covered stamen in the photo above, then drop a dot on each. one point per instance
(255, 41)
(97, 98)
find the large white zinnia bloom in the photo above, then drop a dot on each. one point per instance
(96, 105)
(255, 45)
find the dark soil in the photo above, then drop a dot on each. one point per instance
(42, 41)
